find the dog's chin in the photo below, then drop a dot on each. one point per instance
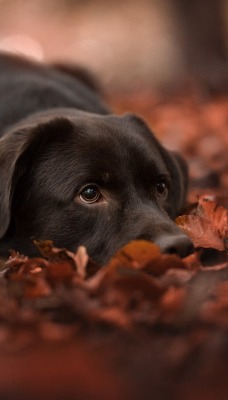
(103, 256)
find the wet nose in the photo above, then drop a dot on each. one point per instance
(178, 244)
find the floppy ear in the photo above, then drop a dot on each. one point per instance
(11, 147)
(13, 163)
(179, 172)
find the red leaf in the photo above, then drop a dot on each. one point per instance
(208, 227)
(136, 254)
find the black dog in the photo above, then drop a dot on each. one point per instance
(73, 172)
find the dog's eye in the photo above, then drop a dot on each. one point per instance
(162, 188)
(90, 194)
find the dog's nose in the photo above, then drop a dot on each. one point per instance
(178, 244)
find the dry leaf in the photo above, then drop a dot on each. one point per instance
(208, 227)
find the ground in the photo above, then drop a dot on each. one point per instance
(146, 326)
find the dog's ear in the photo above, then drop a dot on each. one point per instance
(17, 148)
(179, 173)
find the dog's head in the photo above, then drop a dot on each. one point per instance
(99, 181)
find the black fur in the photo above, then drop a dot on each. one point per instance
(57, 136)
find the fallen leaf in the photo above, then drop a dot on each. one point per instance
(201, 232)
(163, 263)
(218, 215)
(136, 254)
(81, 259)
(208, 225)
(49, 251)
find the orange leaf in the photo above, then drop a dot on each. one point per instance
(201, 232)
(136, 254)
(208, 227)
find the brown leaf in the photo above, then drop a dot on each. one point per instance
(136, 254)
(208, 227)
(200, 231)
(36, 288)
(218, 215)
(163, 263)
(59, 271)
(47, 249)
(78, 260)
(173, 299)
(81, 259)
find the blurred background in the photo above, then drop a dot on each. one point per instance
(161, 44)
(166, 60)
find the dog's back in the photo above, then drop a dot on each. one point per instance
(27, 87)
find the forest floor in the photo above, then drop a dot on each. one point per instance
(147, 326)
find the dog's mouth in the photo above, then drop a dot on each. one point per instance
(178, 244)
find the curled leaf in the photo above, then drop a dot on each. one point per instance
(207, 226)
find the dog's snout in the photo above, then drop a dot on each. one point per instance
(178, 244)
(171, 244)
(144, 236)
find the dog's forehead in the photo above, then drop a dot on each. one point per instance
(113, 133)
(116, 151)
(111, 143)
(127, 124)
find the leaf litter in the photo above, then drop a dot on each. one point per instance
(146, 325)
